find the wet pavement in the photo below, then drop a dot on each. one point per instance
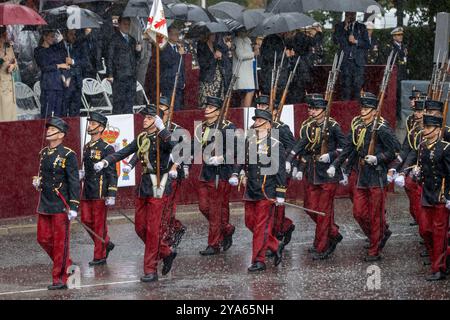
(25, 269)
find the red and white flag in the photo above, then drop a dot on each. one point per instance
(157, 24)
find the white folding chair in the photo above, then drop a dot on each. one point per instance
(139, 88)
(92, 87)
(22, 91)
(37, 88)
(107, 86)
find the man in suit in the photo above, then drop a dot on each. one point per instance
(122, 59)
(170, 59)
(352, 38)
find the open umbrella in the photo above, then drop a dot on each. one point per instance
(252, 17)
(282, 22)
(277, 6)
(200, 28)
(72, 17)
(11, 14)
(141, 8)
(350, 5)
(227, 10)
(190, 12)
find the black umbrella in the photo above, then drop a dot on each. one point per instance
(233, 25)
(201, 28)
(252, 17)
(277, 6)
(351, 5)
(282, 22)
(227, 10)
(141, 8)
(72, 17)
(190, 12)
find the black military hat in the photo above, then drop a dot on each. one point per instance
(433, 121)
(419, 105)
(262, 114)
(213, 101)
(312, 96)
(415, 94)
(262, 99)
(98, 117)
(164, 101)
(434, 105)
(368, 100)
(318, 103)
(58, 123)
(149, 110)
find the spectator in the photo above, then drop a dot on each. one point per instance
(89, 41)
(211, 76)
(316, 43)
(353, 39)
(123, 55)
(225, 46)
(170, 58)
(373, 54)
(7, 66)
(246, 73)
(51, 59)
(78, 60)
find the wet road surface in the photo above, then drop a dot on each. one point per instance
(25, 269)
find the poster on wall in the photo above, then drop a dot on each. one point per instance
(119, 133)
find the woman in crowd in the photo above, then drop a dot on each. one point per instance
(7, 66)
(246, 73)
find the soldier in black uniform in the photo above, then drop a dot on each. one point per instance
(283, 227)
(265, 188)
(374, 51)
(99, 189)
(433, 170)
(436, 108)
(151, 202)
(213, 189)
(59, 187)
(321, 188)
(369, 195)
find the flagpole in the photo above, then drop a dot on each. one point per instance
(158, 171)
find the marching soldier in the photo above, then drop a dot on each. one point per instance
(436, 108)
(214, 190)
(265, 188)
(433, 170)
(369, 194)
(59, 187)
(152, 201)
(283, 227)
(99, 189)
(321, 189)
(401, 62)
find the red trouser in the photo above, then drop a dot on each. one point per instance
(148, 225)
(435, 235)
(93, 214)
(172, 225)
(259, 220)
(413, 191)
(213, 204)
(281, 223)
(321, 199)
(368, 210)
(53, 234)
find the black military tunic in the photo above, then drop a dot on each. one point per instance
(58, 170)
(309, 147)
(261, 185)
(145, 147)
(104, 183)
(385, 151)
(204, 134)
(284, 134)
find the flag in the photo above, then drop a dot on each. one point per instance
(157, 24)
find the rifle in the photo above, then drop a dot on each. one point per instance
(387, 75)
(174, 92)
(444, 113)
(332, 79)
(442, 80)
(277, 78)
(272, 82)
(286, 90)
(433, 75)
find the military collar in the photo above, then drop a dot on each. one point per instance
(91, 144)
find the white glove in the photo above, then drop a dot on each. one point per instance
(215, 161)
(72, 215)
(36, 183)
(371, 160)
(110, 201)
(81, 173)
(447, 204)
(344, 180)
(288, 167)
(186, 171)
(297, 175)
(99, 166)
(279, 202)
(234, 181)
(127, 168)
(159, 123)
(325, 158)
(400, 180)
(331, 171)
(173, 174)
(392, 175)
(415, 171)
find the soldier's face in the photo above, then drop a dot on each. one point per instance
(431, 131)
(54, 134)
(94, 127)
(418, 114)
(398, 38)
(148, 122)
(367, 113)
(260, 124)
(435, 113)
(211, 112)
(310, 112)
